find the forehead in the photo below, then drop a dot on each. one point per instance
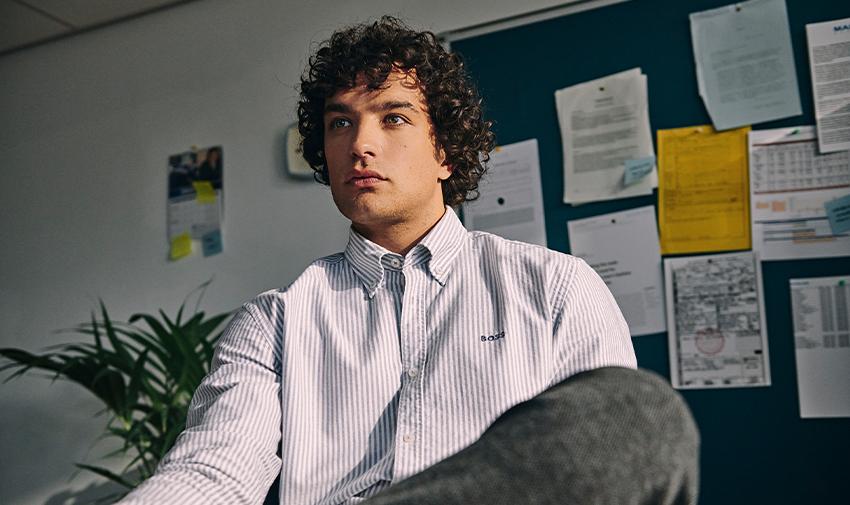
(399, 86)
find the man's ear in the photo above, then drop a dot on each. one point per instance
(446, 172)
(446, 167)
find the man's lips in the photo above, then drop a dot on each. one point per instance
(366, 178)
(366, 182)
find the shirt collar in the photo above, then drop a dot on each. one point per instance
(444, 242)
(439, 247)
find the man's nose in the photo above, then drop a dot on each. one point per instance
(366, 143)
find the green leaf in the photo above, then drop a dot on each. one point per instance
(25, 361)
(97, 339)
(116, 343)
(103, 472)
(166, 340)
(136, 382)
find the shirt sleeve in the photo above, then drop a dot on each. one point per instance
(589, 329)
(228, 451)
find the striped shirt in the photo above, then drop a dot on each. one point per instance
(372, 366)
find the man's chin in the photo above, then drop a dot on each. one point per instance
(365, 213)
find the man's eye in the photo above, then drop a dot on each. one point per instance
(394, 119)
(339, 123)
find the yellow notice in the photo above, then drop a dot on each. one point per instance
(703, 190)
(204, 192)
(181, 246)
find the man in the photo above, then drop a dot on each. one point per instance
(375, 374)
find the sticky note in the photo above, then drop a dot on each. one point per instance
(204, 192)
(637, 169)
(838, 212)
(181, 246)
(211, 243)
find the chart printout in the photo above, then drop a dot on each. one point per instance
(715, 321)
(821, 309)
(789, 184)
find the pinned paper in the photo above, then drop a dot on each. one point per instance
(181, 246)
(211, 243)
(838, 212)
(604, 122)
(510, 202)
(703, 190)
(828, 62)
(622, 248)
(818, 306)
(637, 169)
(716, 330)
(790, 185)
(745, 63)
(204, 192)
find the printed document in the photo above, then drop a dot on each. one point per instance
(511, 199)
(623, 249)
(745, 65)
(703, 190)
(605, 125)
(717, 336)
(789, 185)
(821, 306)
(829, 62)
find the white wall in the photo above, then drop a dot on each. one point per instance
(86, 126)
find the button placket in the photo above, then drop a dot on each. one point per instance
(419, 276)
(406, 414)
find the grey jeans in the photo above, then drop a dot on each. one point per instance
(607, 436)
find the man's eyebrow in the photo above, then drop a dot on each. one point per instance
(383, 106)
(337, 107)
(395, 104)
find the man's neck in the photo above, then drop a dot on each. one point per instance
(400, 237)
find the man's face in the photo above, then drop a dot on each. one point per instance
(379, 147)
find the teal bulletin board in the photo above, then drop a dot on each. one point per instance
(755, 447)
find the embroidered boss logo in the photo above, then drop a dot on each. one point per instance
(490, 338)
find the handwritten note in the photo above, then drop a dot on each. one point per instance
(204, 192)
(211, 243)
(838, 212)
(181, 246)
(637, 169)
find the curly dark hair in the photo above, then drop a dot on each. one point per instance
(374, 50)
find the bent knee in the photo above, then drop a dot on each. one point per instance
(640, 398)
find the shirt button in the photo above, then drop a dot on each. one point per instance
(395, 262)
(411, 373)
(408, 438)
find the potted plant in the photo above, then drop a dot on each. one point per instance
(144, 371)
